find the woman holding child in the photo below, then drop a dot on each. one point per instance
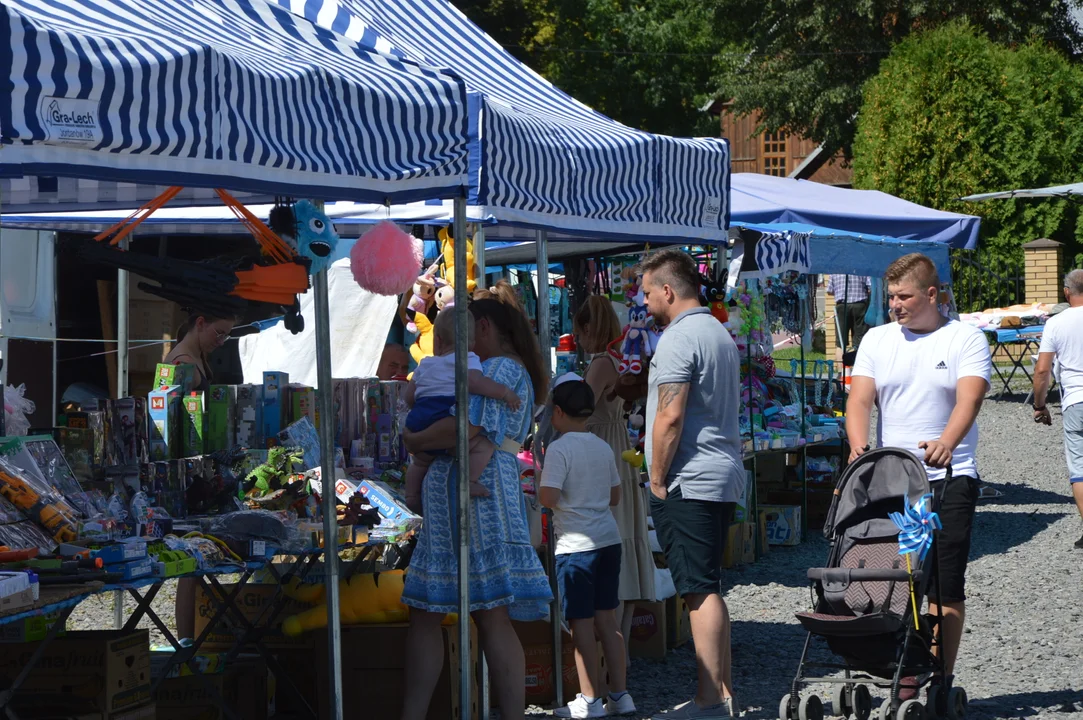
(506, 577)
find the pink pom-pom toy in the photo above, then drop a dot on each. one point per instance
(385, 260)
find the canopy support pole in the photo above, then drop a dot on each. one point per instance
(122, 387)
(327, 489)
(462, 452)
(545, 343)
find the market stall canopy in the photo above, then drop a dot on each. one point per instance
(110, 101)
(540, 158)
(868, 212)
(769, 249)
(1053, 191)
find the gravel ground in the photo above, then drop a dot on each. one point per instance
(1021, 654)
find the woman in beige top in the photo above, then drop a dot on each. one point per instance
(596, 326)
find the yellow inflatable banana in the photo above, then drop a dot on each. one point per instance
(364, 600)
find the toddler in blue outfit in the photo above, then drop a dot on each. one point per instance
(431, 397)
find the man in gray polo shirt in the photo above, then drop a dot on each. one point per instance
(696, 471)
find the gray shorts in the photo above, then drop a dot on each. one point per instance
(1073, 441)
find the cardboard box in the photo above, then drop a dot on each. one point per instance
(193, 426)
(783, 524)
(164, 406)
(735, 546)
(289, 699)
(678, 624)
(376, 678)
(303, 404)
(252, 601)
(537, 641)
(249, 414)
(387, 501)
(740, 513)
(242, 687)
(761, 529)
(302, 434)
(30, 630)
(182, 376)
(748, 543)
(84, 672)
(275, 403)
(221, 418)
(649, 634)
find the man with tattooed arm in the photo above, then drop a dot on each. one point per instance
(694, 459)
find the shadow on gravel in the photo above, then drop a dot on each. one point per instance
(1020, 494)
(1027, 704)
(998, 531)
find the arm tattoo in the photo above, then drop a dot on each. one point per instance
(668, 393)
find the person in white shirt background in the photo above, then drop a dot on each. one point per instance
(927, 375)
(1062, 341)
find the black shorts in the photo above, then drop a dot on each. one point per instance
(692, 534)
(958, 501)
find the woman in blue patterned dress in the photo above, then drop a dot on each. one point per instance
(506, 578)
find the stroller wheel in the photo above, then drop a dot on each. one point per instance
(910, 710)
(935, 706)
(784, 712)
(810, 708)
(861, 702)
(885, 711)
(842, 703)
(957, 703)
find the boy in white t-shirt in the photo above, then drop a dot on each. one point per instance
(580, 483)
(927, 375)
(1062, 341)
(431, 397)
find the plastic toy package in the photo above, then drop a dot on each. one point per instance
(17, 408)
(38, 502)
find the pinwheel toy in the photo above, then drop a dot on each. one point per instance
(916, 526)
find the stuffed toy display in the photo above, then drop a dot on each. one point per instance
(422, 297)
(639, 340)
(716, 298)
(308, 231)
(447, 248)
(423, 347)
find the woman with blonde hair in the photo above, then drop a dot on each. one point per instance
(596, 326)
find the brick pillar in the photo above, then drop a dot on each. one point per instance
(1043, 269)
(831, 348)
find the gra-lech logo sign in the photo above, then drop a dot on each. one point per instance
(69, 121)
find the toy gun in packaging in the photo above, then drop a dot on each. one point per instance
(45, 510)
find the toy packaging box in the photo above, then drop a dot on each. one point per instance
(192, 437)
(783, 524)
(303, 404)
(249, 413)
(275, 403)
(165, 412)
(221, 413)
(302, 434)
(182, 376)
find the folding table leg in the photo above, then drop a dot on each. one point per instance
(35, 657)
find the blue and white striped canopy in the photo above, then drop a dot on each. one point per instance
(539, 157)
(107, 101)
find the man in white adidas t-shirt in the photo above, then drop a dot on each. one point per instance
(927, 375)
(1062, 340)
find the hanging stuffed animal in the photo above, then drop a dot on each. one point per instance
(423, 296)
(386, 260)
(444, 297)
(423, 347)
(639, 342)
(308, 231)
(447, 248)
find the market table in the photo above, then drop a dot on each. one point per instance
(63, 599)
(1024, 341)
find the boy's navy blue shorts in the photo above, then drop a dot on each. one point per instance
(589, 581)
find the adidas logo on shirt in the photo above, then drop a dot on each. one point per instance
(942, 366)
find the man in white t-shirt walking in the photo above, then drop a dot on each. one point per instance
(1062, 340)
(928, 376)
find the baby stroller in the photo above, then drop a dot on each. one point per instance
(863, 607)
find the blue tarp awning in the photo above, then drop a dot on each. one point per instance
(867, 212)
(810, 249)
(540, 158)
(107, 102)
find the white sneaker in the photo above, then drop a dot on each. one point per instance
(621, 706)
(580, 708)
